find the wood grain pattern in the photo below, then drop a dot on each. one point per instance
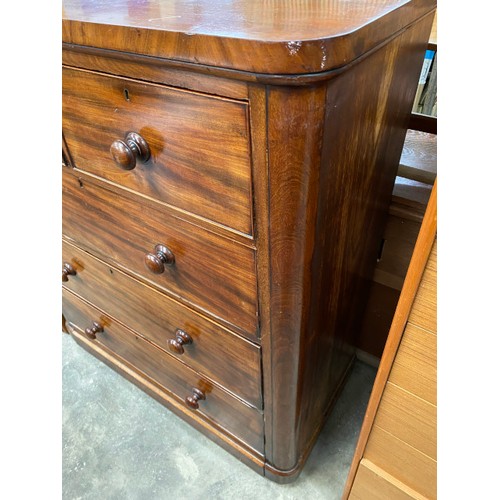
(415, 366)
(151, 70)
(403, 462)
(420, 257)
(318, 133)
(260, 36)
(215, 352)
(424, 311)
(373, 483)
(209, 428)
(409, 199)
(419, 157)
(412, 193)
(258, 123)
(409, 419)
(203, 261)
(200, 159)
(237, 418)
(294, 156)
(326, 213)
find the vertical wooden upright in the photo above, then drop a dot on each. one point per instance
(396, 455)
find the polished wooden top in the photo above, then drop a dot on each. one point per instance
(263, 36)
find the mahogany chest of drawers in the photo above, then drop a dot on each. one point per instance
(226, 173)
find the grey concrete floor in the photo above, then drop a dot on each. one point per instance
(118, 443)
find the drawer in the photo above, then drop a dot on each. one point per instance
(213, 351)
(219, 407)
(199, 144)
(214, 274)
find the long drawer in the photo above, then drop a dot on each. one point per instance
(217, 405)
(199, 144)
(208, 348)
(127, 233)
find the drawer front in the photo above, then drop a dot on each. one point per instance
(211, 350)
(214, 274)
(199, 144)
(242, 421)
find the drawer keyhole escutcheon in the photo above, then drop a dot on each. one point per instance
(192, 401)
(181, 339)
(157, 261)
(126, 153)
(67, 270)
(93, 330)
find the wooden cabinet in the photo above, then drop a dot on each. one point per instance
(396, 455)
(228, 172)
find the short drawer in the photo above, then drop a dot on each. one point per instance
(198, 342)
(218, 406)
(213, 274)
(199, 144)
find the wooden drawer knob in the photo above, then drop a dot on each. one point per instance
(192, 401)
(126, 153)
(67, 270)
(181, 339)
(91, 332)
(157, 261)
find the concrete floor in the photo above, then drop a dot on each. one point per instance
(118, 443)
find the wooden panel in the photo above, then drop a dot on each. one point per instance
(408, 418)
(215, 352)
(423, 123)
(373, 483)
(377, 319)
(414, 193)
(419, 260)
(152, 70)
(237, 418)
(209, 428)
(400, 235)
(294, 155)
(358, 166)
(123, 231)
(265, 36)
(415, 366)
(200, 159)
(424, 311)
(405, 463)
(419, 157)
(330, 188)
(409, 199)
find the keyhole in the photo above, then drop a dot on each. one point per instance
(125, 93)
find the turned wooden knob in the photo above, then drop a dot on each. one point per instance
(181, 339)
(126, 153)
(91, 332)
(157, 261)
(67, 270)
(192, 401)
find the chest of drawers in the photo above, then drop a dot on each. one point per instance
(226, 173)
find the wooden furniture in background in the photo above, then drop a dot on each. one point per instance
(416, 175)
(412, 189)
(396, 454)
(226, 179)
